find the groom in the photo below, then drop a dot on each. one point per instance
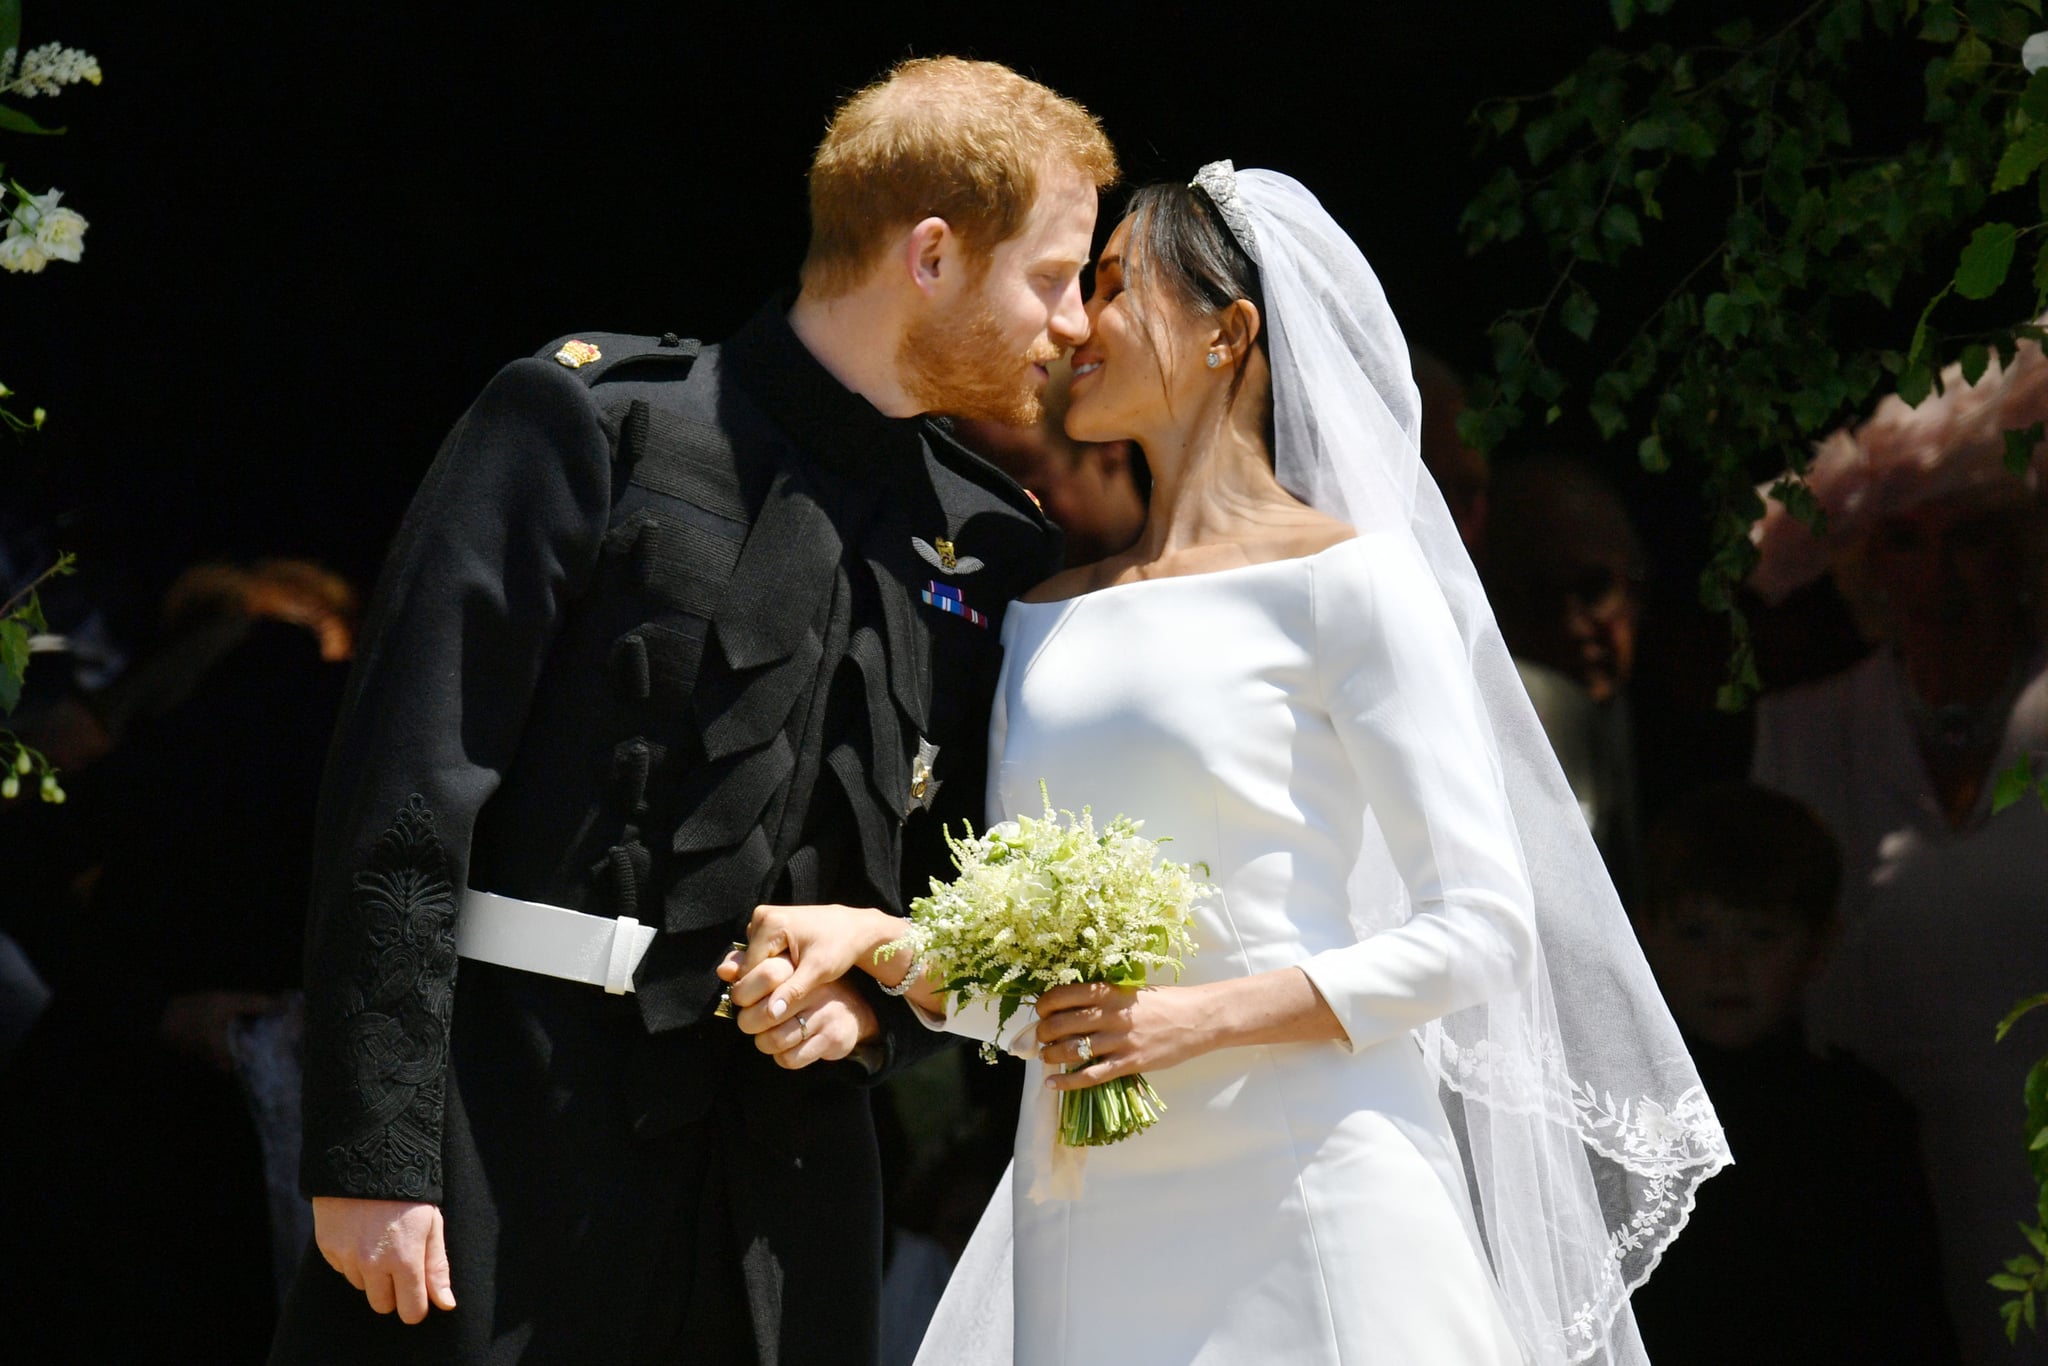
(668, 631)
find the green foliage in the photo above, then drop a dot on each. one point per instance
(2025, 1276)
(1729, 365)
(2016, 784)
(21, 617)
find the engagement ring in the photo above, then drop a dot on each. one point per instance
(1085, 1046)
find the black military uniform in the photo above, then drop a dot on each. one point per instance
(666, 633)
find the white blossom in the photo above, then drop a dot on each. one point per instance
(47, 69)
(39, 232)
(19, 252)
(60, 233)
(2034, 52)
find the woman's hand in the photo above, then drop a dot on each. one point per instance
(793, 950)
(1126, 1031)
(828, 1024)
(1154, 1028)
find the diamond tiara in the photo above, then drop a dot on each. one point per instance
(1219, 181)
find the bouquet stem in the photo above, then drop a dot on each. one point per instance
(1109, 1112)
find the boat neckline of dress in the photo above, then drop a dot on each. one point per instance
(1309, 558)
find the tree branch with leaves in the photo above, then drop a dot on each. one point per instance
(1733, 363)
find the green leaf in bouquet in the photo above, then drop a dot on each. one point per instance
(10, 24)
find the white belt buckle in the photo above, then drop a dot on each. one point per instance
(551, 940)
(618, 972)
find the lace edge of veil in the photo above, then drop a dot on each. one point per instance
(1703, 1153)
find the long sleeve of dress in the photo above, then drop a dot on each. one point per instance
(503, 535)
(1404, 705)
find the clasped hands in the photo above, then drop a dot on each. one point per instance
(787, 985)
(788, 988)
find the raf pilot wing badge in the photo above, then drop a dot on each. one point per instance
(923, 786)
(941, 554)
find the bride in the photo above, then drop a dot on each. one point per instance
(1423, 1101)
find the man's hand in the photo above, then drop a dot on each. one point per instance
(391, 1250)
(828, 1024)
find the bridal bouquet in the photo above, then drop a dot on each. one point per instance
(1044, 902)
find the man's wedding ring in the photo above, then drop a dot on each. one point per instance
(723, 1010)
(1085, 1047)
(803, 1029)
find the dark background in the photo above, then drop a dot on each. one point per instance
(317, 230)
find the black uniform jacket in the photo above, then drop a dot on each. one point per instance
(667, 635)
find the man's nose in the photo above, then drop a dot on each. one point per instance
(1069, 326)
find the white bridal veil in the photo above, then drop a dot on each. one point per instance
(1583, 1125)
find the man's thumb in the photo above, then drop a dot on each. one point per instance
(439, 1288)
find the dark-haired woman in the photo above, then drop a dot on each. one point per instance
(1384, 1125)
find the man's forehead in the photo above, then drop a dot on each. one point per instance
(1062, 217)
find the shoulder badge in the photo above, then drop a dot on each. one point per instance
(577, 354)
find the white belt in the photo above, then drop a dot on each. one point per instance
(533, 937)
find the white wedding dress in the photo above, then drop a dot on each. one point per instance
(1303, 1203)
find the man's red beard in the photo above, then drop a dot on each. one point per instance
(961, 365)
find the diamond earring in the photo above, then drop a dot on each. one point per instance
(1215, 359)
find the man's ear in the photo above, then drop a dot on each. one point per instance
(929, 255)
(1236, 328)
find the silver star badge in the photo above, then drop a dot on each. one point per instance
(923, 786)
(940, 554)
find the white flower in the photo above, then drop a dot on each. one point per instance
(47, 69)
(59, 233)
(2034, 52)
(39, 232)
(19, 252)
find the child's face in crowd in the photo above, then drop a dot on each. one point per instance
(1732, 975)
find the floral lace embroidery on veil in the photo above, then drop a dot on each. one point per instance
(1665, 1151)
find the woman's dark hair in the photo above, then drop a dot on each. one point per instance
(1179, 243)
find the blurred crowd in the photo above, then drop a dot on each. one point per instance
(1837, 916)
